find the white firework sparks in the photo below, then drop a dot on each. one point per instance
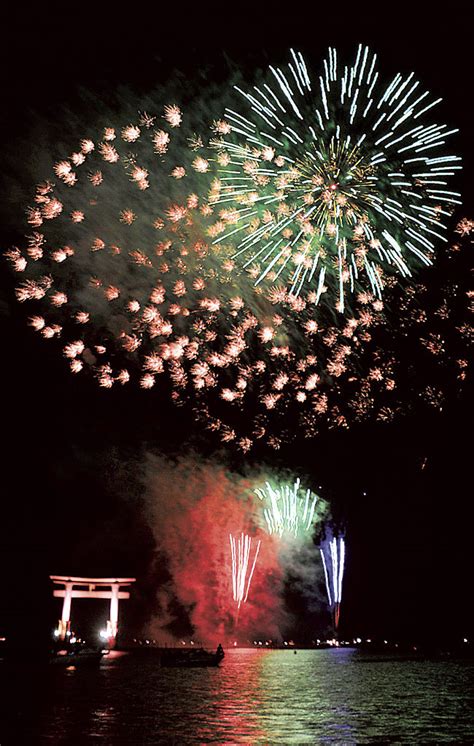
(337, 181)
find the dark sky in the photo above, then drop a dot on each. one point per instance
(71, 500)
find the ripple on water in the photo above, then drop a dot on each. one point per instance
(336, 696)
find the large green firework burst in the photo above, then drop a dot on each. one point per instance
(331, 186)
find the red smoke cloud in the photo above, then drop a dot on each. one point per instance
(194, 506)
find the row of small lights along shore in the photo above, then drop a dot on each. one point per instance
(328, 643)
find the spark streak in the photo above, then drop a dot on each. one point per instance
(241, 548)
(333, 552)
(288, 511)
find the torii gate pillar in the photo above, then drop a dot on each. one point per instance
(90, 588)
(112, 624)
(65, 621)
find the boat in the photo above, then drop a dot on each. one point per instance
(80, 656)
(191, 658)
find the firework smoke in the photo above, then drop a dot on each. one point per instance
(194, 507)
(228, 574)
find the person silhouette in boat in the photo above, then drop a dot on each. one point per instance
(220, 651)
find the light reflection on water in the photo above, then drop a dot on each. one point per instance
(336, 696)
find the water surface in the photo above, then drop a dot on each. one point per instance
(335, 696)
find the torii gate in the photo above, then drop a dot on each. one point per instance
(108, 588)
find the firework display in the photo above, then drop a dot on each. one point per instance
(287, 511)
(242, 566)
(330, 184)
(333, 553)
(382, 371)
(131, 265)
(120, 272)
(130, 274)
(243, 269)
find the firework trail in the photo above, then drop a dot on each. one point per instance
(287, 511)
(242, 566)
(333, 183)
(333, 556)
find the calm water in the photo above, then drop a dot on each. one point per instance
(255, 697)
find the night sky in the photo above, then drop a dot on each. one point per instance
(72, 453)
